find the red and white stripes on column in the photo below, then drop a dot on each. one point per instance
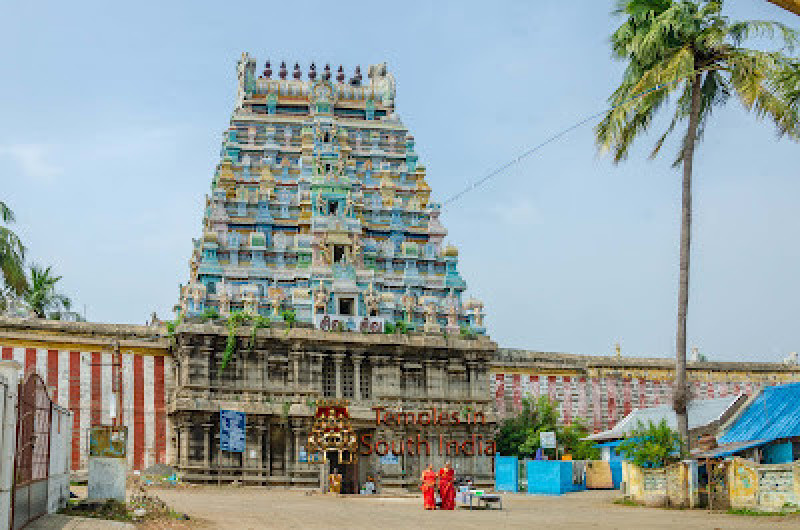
(83, 380)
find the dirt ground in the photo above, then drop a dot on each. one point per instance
(244, 508)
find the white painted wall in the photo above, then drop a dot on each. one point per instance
(60, 459)
(9, 380)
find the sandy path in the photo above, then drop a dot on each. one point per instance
(244, 508)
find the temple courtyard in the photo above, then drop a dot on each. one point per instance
(243, 508)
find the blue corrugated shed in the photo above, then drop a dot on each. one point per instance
(773, 414)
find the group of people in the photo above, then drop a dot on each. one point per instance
(447, 490)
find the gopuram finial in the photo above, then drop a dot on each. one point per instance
(326, 74)
(267, 70)
(340, 74)
(312, 72)
(297, 74)
(283, 72)
(357, 77)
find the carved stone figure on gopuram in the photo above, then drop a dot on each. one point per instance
(319, 193)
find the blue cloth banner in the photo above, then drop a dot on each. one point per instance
(231, 431)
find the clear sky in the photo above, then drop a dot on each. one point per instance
(111, 116)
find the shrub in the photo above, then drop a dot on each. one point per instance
(652, 446)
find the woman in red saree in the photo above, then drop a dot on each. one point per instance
(429, 488)
(447, 490)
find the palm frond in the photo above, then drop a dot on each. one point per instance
(5, 213)
(755, 77)
(739, 32)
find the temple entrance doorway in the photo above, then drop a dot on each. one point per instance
(349, 471)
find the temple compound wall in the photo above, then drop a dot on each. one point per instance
(601, 390)
(414, 394)
(79, 363)
(165, 387)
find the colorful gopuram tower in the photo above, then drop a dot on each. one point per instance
(319, 206)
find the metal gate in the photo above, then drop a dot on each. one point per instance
(32, 459)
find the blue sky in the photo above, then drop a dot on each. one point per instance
(111, 116)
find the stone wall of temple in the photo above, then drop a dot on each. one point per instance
(75, 360)
(603, 389)
(278, 380)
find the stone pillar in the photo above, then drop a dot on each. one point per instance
(294, 368)
(433, 378)
(183, 433)
(444, 387)
(337, 361)
(206, 357)
(207, 445)
(267, 454)
(259, 427)
(379, 375)
(315, 368)
(288, 450)
(392, 374)
(357, 377)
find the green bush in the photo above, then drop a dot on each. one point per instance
(520, 434)
(652, 446)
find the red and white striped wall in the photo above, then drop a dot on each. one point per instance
(82, 382)
(602, 401)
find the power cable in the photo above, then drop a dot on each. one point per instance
(555, 137)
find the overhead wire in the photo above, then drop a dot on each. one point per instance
(475, 184)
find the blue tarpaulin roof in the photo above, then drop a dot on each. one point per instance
(773, 414)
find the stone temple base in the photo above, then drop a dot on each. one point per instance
(402, 391)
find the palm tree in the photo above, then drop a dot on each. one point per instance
(12, 256)
(688, 49)
(42, 298)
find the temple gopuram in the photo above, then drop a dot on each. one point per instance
(319, 206)
(320, 237)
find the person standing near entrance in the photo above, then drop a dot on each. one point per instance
(447, 490)
(429, 488)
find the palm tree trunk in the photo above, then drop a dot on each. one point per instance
(681, 390)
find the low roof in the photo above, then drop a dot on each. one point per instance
(728, 449)
(701, 413)
(774, 413)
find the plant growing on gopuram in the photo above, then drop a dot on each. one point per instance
(41, 295)
(687, 54)
(236, 320)
(651, 446)
(519, 435)
(289, 317)
(210, 313)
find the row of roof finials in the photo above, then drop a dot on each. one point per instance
(312, 73)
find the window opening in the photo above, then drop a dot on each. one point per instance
(346, 306)
(338, 253)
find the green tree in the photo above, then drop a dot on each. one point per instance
(653, 445)
(41, 296)
(12, 256)
(688, 49)
(519, 435)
